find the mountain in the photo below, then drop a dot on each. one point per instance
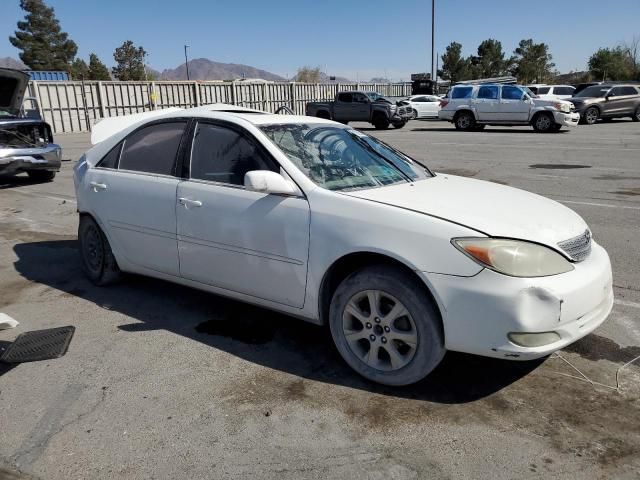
(8, 62)
(205, 69)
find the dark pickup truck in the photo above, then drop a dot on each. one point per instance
(360, 106)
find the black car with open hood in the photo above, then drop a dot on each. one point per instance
(26, 141)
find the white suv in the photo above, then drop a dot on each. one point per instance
(471, 107)
(563, 92)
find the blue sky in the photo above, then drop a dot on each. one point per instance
(356, 39)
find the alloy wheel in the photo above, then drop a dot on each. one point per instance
(379, 330)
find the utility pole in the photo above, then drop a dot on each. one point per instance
(186, 61)
(433, 36)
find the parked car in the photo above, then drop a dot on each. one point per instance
(550, 92)
(317, 220)
(471, 107)
(423, 106)
(607, 102)
(362, 107)
(26, 141)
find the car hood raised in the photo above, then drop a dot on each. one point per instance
(490, 208)
(13, 84)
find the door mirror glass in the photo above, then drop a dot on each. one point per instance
(266, 181)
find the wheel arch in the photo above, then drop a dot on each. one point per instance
(344, 266)
(464, 109)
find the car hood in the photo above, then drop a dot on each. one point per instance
(543, 101)
(493, 209)
(13, 84)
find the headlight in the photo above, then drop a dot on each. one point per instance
(516, 258)
(393, 107)
(563, 107)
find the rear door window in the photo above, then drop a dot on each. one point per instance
(153, 149)
(543, 90)
(489, 92)
(629, 91)
(461, 92)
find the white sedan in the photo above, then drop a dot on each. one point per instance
(424, 106)
(317, 220)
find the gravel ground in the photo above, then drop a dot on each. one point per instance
(162, 381)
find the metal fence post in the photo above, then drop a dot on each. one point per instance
(196, 93)
(292, 95)
(101, 100)
(36, 93)
(233, 93)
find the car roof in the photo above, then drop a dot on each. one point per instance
(256, 117)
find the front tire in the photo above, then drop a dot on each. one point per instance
(465, 121)
(636, 115)
(399, 124)
(591, 115)
(41, 175)
(98, 262)
(543, 122)
(386, 327)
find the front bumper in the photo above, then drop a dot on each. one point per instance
(16, 160)
(480, 311)
(567, 119)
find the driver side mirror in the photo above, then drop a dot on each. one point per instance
(609, 95)
(266, 181)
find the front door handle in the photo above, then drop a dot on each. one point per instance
(98, 186)
(189, 203)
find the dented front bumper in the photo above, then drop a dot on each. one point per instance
(480, 312)
(16, 160)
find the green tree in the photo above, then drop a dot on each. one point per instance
(44, 45)
(79, 70)
(611, 64)
(308, 74)
(454, 66)
(129, 62)
(532, 62)
(490, 61)
(97, 69)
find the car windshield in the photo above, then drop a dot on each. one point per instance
(339, 158)
(374, 96)
(593, 91)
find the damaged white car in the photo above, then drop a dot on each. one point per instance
(317, 220)
(26, 141)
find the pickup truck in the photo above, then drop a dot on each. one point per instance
(358, 106)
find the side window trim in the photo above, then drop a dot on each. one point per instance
(186, 170)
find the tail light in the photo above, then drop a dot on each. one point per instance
(444, 102)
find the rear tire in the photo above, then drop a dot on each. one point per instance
(98, 261)
(543, 122)
(41, 175)
(380, 122)
(398, 340)
(464, 121)
(636, 115)
(590, 115)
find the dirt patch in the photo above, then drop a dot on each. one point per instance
(558, 166)
(11, 232)
(628, 191)
(612, 176)
(594, 347)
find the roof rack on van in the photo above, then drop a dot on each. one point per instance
(481, 81)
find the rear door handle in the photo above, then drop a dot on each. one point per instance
(98, 186)
(189, 203)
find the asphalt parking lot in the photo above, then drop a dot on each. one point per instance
(162, 381)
